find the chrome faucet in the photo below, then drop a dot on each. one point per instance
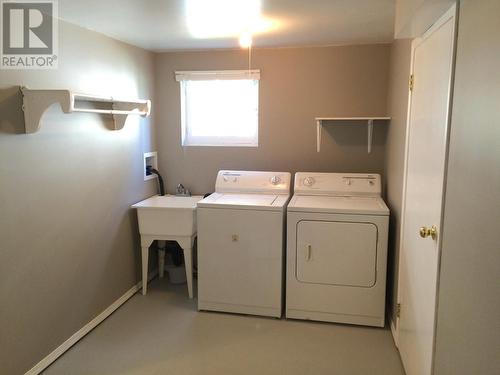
(182, 191)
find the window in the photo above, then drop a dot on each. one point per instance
(220, 108)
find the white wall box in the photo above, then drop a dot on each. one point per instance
(36, 102)
(150, 158)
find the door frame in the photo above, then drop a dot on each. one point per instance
(452, 12)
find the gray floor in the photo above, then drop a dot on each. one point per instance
(162, 333)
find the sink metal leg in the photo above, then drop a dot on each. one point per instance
(161, 262)
(188, 261)
(145, 259)
(161, 258)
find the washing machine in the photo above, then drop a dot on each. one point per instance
(241, 230)
(337, 227)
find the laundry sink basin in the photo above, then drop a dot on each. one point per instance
(167, 215)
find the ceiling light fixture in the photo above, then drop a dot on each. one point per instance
(226, 18)
(221, 18)
(246, 40)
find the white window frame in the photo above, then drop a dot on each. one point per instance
(229, 141)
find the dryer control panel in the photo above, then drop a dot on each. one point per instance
(315, 183)
(253, 182)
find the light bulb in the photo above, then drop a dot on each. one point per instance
(246, 40)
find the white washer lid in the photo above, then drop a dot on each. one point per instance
(338, 204)
(245, 201)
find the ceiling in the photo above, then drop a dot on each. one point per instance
(162, 25)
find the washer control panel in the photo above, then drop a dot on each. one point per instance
(337, 184)
(252, 182)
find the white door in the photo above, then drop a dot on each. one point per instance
(427, 134)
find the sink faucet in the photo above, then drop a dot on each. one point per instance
(182, 191)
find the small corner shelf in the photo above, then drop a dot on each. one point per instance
(36, 102)
(369, 120)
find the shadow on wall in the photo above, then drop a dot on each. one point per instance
(11, 112)
(133, 223)
(118, 237)
(355, 133)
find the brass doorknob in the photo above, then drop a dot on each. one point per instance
(426, 232)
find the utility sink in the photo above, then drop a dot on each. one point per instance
(167, 215)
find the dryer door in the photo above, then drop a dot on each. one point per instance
(336, 253)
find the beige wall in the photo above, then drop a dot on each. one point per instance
(297, 84)
(413, 17)
(468, 319)
(397, 104)
(405, 10)
(68, 239)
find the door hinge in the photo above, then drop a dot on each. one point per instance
(411, 82)
(398, 310)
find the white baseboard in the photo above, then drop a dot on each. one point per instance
(394, 331)
(78, 335)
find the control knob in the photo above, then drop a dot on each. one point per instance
(275, 180)
(309, 181)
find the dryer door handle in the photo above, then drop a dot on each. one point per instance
(308, 252)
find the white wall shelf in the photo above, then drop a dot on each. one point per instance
(321, 120)
(36, 102)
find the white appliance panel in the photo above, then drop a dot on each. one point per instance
(336, 253)
(336, 303)
(253, 182)
(240, 261)
(338, 204)
(315, 183)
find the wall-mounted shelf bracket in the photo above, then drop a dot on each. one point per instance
(36, 102)
(321, 120)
